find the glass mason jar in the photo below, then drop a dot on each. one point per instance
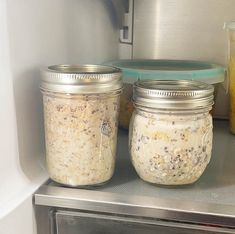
(170, 136)
(81, 105)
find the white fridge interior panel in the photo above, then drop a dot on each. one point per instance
(21, 221)
(15, 186)
(92, 31)
(35, 34)
(44, 33)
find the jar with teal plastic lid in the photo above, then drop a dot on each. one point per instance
(139, 69)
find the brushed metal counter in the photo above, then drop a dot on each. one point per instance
(211, 200)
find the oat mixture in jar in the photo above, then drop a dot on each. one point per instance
(81, 121)
(170, 136)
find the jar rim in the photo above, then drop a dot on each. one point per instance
(81, 78)
(173, 94)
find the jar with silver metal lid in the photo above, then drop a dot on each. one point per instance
(81, 106)
(170, 135)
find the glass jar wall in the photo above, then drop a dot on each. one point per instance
(170, 148)
(81, 125)
(81, 137)
(170, 143)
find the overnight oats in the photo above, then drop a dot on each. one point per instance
(170, 136)
(81, 121)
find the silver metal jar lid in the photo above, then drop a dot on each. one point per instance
(81, 79)
(173, 94)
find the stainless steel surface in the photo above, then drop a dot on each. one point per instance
(75, 79)
(177, 94)
(211, 200)
(126, 31)
(184, 29)
(71, 222)
(181, 29)
(43, 220)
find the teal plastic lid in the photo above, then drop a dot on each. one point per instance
(136, 69)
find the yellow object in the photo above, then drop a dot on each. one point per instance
(231, 74)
